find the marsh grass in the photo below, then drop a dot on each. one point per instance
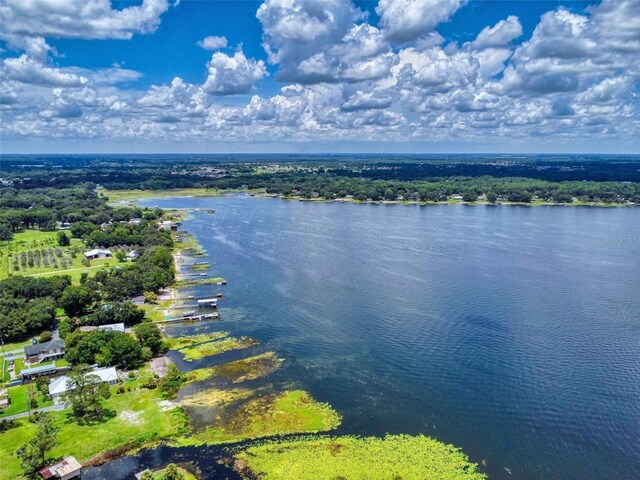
(247, 369)
(209, 349)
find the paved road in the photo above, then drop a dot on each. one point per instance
(18, 352)
(52, 408)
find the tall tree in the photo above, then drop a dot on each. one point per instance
(32, 454)
(149, 335)
(76, 300)
(85, 393)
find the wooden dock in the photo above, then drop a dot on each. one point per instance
(191, 318)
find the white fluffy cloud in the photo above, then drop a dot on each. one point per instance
(213, 43)
(79, 18)
(296, 30)
(407, 20)
(500, 35)
(230, 75)
(25, 70)
(346, 78)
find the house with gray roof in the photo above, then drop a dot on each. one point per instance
(41, 352)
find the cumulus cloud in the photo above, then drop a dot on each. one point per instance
(362, 54)
(366, 101)
(349, 78)
(406, 20)
(230, 75)
(213, 43)
(25, 70)
(296, 30)
(500, 35)
(89, 19)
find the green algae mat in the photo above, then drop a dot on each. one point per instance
(395, 457)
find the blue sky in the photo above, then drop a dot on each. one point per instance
(320, 75)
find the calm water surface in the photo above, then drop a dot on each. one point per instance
(513, 333)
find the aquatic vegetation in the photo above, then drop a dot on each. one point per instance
(200, 267)
(177, 343)
(200, 281)
(354, 458)
(215, 397)
(292, 411)
(241, 370)
(186, 475)
(214, 348)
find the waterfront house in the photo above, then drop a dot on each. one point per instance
(114, 327)
(169, 225)
(97, 253)
(41, 352)
(63, 470)
(61, 385)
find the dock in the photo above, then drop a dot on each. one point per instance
(208, 302)
(190, 318)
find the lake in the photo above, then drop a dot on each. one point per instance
(511, 332)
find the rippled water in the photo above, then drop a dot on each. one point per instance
(513, 333)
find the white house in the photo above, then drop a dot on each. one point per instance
(97, 253)
(60, 385)
(132, 255)
(114, 327)
(63, 470)
(169, 225)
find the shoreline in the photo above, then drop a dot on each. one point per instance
(137, 195)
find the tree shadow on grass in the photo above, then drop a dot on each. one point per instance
(107, 414)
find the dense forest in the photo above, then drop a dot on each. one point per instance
(559, 179)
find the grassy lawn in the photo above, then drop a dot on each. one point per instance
(135, 417)
(153, 312)
(353, 458)
(19, 396)
(8, 347)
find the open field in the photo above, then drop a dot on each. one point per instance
(34, 252)
(124, 196)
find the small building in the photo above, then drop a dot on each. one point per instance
(114, 327)
(208, 303)
(132, 255)
(39, 371)
(64, 470)
(97, 253)
(134, 221)
(456, 196)
(60, 385)
(40, 352)
(169, 225)
(64, 225)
